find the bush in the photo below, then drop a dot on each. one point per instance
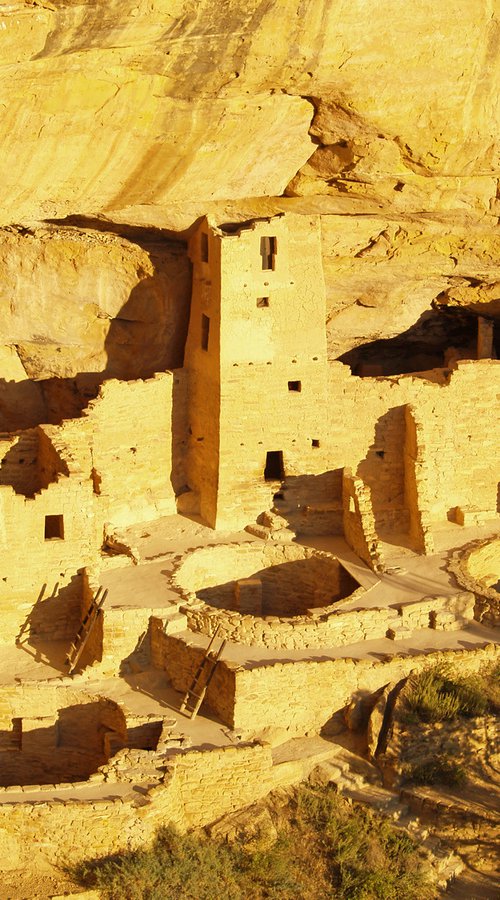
(439, 769)
(438, 694)
(328, 848)
(176, 866)
(367, 856)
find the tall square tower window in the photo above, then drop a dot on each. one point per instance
(205, 331)
(268, 252)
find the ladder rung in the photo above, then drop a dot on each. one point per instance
(206, 668)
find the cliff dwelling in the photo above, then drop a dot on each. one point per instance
(249, 416)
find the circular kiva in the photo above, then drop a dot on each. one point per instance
(483, 565)
(477, 568)
(269, 594)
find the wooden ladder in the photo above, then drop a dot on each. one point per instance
(194, 697)
(85, 630)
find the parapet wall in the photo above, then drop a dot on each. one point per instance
(298, 695)
(302, 695)
(196, 788)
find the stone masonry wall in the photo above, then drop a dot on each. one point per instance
(198, 788)
(457, 459)
(311, 685)
(302, 696)
(40, 588)
(131, 433)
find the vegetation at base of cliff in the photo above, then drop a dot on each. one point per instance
(326, 848)
(438, 769)
(436, 749)
(439, 693)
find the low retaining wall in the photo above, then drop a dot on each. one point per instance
(298, 695)
(197, 788)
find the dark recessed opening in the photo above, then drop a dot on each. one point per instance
(279, 496)
(380, 453)
(295, 386)
(274, 470)
(204, 247)
(17, 734)
(205, 331)
(96, 481)
(54, 527)
(399, 185)
(440, 334)
(315, 442)
(262, 302)
(268, 252)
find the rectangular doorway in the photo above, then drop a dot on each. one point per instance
(274, 470)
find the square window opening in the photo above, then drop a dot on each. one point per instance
(274, 470)
(54, 528)
(204, 246)
(315, 442)
(295, 386)
(262, 302)
(268, 253)
(205, 331)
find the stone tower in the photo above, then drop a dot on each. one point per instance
(256, 363)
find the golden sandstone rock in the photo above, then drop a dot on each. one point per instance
(248, 277)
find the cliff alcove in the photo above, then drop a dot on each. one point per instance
(249, 382)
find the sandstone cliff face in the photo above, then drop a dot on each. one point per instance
(127, 107)
(383, 118)
(74, 300)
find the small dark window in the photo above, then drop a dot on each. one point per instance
(315, 442)
(268, 252)
(204, 247)
(295, 386)
(205, 331)
(96, 481)
(54, 527)
(17, 734)
(274, 470)
(262, 302)
(380, 453)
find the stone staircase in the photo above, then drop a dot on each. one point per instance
(360, 780)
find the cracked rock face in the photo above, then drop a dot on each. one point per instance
(126, 108)
(382, 118)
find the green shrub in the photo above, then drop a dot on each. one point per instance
(178, 866)
(439, 769)
(491, 679)
(438, 694)
(328, 848)
(367, 856)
